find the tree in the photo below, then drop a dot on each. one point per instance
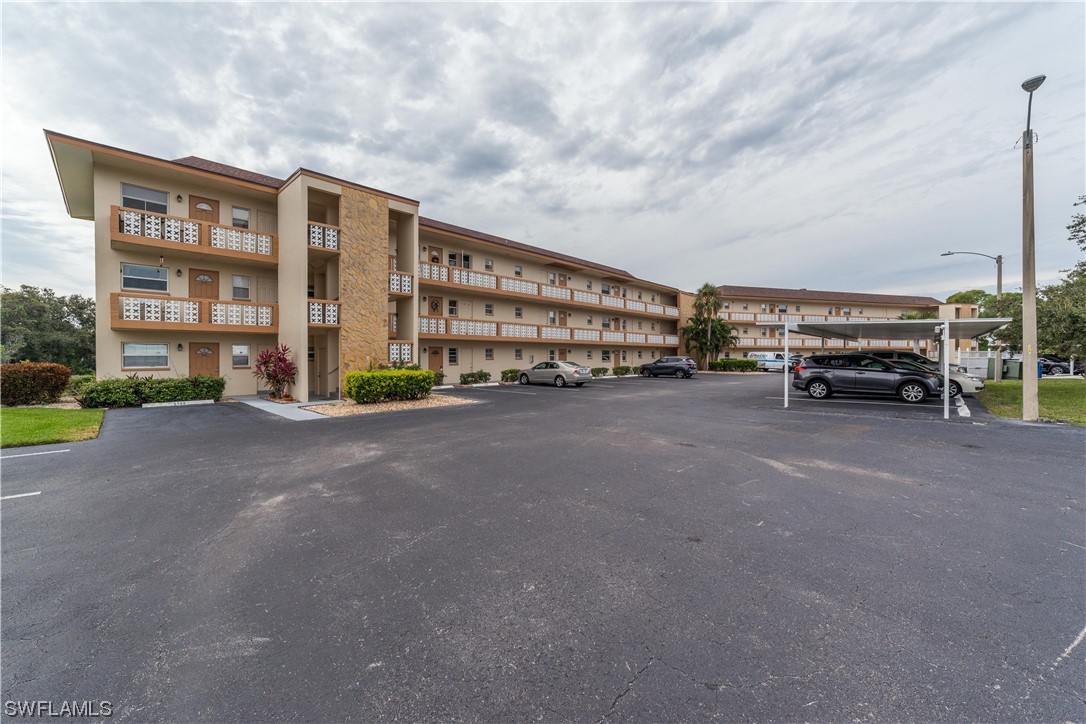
(918, 315)
(971, 296)
(1009, 306)
(1077, 228)
(707, 337)
(706, 305)
(40, 326)
(1061, 308)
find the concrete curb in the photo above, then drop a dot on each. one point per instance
(485, 384)
(182, 403)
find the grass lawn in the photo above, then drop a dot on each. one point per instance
(43, 425)
(1056, 399)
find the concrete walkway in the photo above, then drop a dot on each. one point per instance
(289, 410)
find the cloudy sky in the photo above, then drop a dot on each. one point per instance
(827, 146)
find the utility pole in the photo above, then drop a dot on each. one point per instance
(1029, 267)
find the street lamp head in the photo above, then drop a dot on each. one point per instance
(947, 253)
(1033, 83)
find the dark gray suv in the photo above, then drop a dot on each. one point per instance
(861, 374)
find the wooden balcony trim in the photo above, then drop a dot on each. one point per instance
(326, 226)
(203, 238)
(115, 321)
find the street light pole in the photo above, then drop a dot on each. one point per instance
(999, 295)
(1029, 268)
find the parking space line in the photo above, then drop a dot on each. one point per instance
(26, 455)
(506, 392)
(20, 495)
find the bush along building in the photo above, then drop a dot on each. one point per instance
(199, 266)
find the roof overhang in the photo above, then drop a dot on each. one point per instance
(75, 172)
(894, 328)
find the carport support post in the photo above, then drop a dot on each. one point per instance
(946, 370)
(786, 365)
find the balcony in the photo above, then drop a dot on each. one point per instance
(145, 311)
(400, 351)
(323, 313)
(140, 230)
(487, 283)
(323, 237)
(451, 327)
(400, 284)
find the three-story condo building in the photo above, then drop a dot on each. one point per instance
(199, 266)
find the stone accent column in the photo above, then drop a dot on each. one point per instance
(363, 280)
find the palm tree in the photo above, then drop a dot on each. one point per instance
(706, 337)
(706, 305)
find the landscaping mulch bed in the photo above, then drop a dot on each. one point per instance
(347, 407)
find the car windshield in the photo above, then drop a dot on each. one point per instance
(567, 363)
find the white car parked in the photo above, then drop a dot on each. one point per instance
(961, 383)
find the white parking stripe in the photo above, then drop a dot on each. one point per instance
(26, 455)
(20, 495)
(963, 409)
(508, 392)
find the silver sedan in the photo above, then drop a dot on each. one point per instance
(557, 373)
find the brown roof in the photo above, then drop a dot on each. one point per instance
(232, 171)
(442, 226)
(816, 295)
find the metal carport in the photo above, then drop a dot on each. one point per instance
(940, 329)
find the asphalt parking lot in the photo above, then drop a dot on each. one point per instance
(636, 549)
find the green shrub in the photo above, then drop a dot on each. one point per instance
(600, 371)
(510, 375)
(635, 369)
(76, 383)
(733, 365)
(622, 370)
(439, 378)
(470, 378)
(135, 391)
(32, 383)
(380, 385)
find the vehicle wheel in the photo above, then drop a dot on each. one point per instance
(679, 374)
(524, 379)
(955, 389)
(912, 392)
(1058, 370)
(819, 389)
(645, 373)
(559, 381)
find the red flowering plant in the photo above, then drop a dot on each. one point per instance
(275, 368)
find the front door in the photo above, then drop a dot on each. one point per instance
(562, 320)
(562, 355)
(204, 358)
(837, 311)
(436, 359)
(435, 309)
(435, 254)
(203, 209)
(561, 280)
(203, 284)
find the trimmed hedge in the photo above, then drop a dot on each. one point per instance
(32, 383)
(600, 371)
(136, 391)
(733, 365)
(470, 378)
(381, 385)
(510, 375)
(622, 370)
(76, 383)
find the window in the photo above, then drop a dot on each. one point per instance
(727, 305)
(605, 355)
(764, 332)
(240, 217)
(623, 325)
(138, 354)
(623, 355)
(311, 291)
(623, 292)
(488, 264)
(551, 278)
(763, 307)
(639, 324)
(605, 322)
(137, 197)
(552, 317)
(847, 310)
(311, 354)
(517, 271)
(588, 285)
(797, 307)
(605, 288)
(588, 354)
(466, 261)
(453, 258)
(638, 354)
(488, 309)
(588, 319)
(240, 355)
(241, 287)
(652, 326)
(518, 353)
(829, 310)
(518, 312)
(858, 311)
(454, 356)
(744, 307)
(552, 355)
(782, 308)
(653, 297)
(145, 278)
(488, 353)
(639, 295)
(454, 308)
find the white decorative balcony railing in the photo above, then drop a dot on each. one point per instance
(474, 279)
(654, 308)
(635, 338)
(609, 336)
(635, 305)
(400, 283)
(586, 335)
(164, 232)
(654, 338)
(474, 329)
(741, 316)
(546, 290)
(453, 327)
(141, 311)
(520, 286)
(437, 272)
(555, 333)
(519, 330)
(613, 302)
(589, 297)
(323, 312)
(671, 311)
(402, 352)
(323, 236)
(671, 339)
(432, 325)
